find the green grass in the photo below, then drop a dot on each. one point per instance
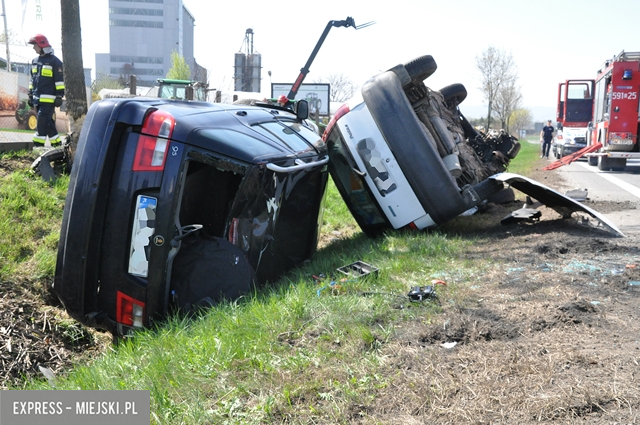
(297, 351)
(527, 158)
(30, 215)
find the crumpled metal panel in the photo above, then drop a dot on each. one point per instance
(564, 205)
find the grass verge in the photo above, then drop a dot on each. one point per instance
(299, 351)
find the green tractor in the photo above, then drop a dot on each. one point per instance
(182, 89)
(27, 116)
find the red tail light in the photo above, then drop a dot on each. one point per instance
(129, 311)
(153, 144)
(339, 114)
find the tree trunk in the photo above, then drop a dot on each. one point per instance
(75, 90)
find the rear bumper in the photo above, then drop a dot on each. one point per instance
(569, 149)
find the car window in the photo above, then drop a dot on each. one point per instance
(293, 135)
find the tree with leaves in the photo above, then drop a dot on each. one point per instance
(520, 119)
(10, 36)
(498, 70)
(75, 85)
(342, 88)
(180, 70)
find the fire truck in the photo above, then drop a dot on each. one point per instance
(573, 115)
(615, 113)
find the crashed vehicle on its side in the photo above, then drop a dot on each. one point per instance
(404, 155)
(174, 204)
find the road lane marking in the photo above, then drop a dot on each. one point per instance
(621, 184)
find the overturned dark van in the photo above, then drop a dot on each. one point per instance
(176, 203)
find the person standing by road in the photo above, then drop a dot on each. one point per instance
(46, 90)
(546, 136)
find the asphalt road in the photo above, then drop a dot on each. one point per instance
(618, 187)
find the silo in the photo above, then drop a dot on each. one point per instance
(239, 71)
(254, 70)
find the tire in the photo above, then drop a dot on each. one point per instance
(58, 164)
(419, 69)
(31, 120)
(592, 160)
(613, 164)
(619, 164)
(454, 93)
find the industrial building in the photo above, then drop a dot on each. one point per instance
(142, 36)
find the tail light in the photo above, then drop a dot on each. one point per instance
(153, 144)
(559, 136)
(129, 311)
(339, 114)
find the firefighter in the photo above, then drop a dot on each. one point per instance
(46, 90)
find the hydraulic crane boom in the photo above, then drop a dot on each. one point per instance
(349, 22)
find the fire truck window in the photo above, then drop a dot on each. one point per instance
(579, 91)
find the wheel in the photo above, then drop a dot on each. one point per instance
(31, 120)
(419, 69)
(592, 160)
(614, 164)
(52, 164)
(454, 94)
(618, 164)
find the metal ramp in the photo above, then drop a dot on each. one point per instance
(566, 160)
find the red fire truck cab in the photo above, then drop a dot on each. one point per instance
(574, 113)
(615, 117)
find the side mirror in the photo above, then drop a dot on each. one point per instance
(559, 126)
(302, 109)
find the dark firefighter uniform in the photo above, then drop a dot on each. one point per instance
(46, 90)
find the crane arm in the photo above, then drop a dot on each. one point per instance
(349, 22)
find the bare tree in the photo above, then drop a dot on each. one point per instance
(508, 99)
(342, 88)
(75, 85)
(497, 69)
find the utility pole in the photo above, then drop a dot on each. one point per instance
(6, 36)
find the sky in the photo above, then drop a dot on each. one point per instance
(550, 40)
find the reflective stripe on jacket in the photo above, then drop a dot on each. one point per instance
(47, 80)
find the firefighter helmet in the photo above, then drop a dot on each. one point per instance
(40, 40)
(282, 99)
